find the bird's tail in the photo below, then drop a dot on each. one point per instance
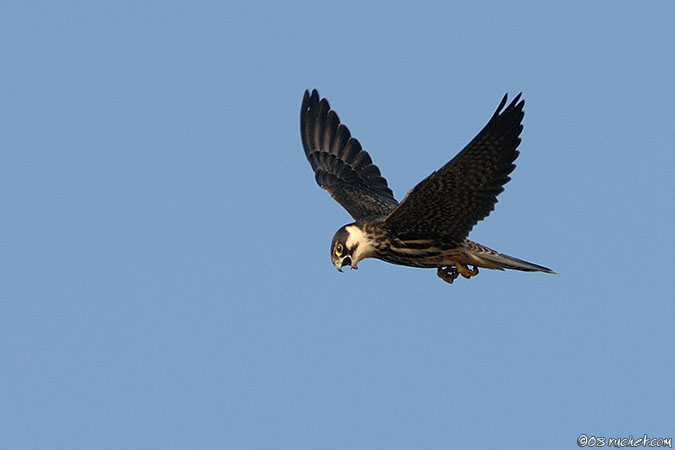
(492, 259)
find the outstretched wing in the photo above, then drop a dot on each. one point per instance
(341, 167)
(453, 199)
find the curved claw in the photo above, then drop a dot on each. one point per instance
(447, 274)
(450, 273)
(466, 272)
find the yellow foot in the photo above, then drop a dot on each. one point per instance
(465, 271)
(447, 274)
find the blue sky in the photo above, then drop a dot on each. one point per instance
(165, 279)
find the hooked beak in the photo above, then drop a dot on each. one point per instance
(346, 261)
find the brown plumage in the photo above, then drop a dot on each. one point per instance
(450, 201)
(429, 228)
(341, 167)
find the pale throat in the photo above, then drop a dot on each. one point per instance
(359, 240)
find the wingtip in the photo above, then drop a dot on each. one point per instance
(547, 270)
(517, 101)
(313, 94)
(502, 103)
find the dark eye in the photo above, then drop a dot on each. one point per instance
(339, 249)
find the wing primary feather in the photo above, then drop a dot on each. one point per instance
(351, 151)
(331, 125)
(340, 164)
(450, 201)
(341, 138)
(320, 119)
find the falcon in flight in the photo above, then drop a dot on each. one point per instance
(429, 228)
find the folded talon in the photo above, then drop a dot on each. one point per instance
(447, 274)
(466, 272)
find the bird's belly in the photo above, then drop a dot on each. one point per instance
(427, 258)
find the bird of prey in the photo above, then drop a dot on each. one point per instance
(429, 228)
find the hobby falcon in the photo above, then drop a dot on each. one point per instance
(429, 228)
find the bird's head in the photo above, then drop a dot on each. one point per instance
(349, 246)
(340, 254)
